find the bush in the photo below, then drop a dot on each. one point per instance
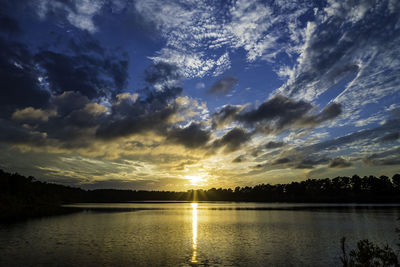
(369, 254)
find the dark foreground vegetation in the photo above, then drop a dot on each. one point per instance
(369, 254)
(25, 196)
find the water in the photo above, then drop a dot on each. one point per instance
(202, 234)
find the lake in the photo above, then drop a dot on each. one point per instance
(196, 234)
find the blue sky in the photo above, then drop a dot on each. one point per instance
(153, 94)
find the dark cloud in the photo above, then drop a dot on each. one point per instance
(233, 139)
(275, 115)
(181, 166)
(192, 136)
(391, 137)
(18, 74)
(92, 76)
(150, 113)
(79, 124)
(328, 113)
(77, 79)
(295, 160)
(280, 108)
(67, 102)
(29, 78)
(272, 145)
(309, 156)
(12, 133)
(116, 126)
(309, 161)
(390, 157)
(339, 163)
(86, 44)
(392, 125)
(73, 126)
(161, 73)
(117, 69)
(285, 112)
(9, 25)
(225, 116)
(69, 122)
(64, 117)
(239, 159)
(282, 161)
(222, 86)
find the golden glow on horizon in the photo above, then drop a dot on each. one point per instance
(194, 225)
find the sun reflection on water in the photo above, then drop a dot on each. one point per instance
(194, 224)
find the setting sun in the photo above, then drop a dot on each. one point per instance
(195, 179)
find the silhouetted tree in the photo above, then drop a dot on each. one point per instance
(396, 181)
(19, 194)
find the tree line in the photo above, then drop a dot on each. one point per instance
(26, 195)
(19, 188)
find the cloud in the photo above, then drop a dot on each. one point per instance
(192, 136)
(283, 112)
(328, 113)
(310, 161)
(255, 26)
(275, 115)
(239, 159)
(339, 163)
(30, 113)
(348, 56)
(367, 136)
(282, 161)
(18, 73)
(31, 76)
(83, 73)
(80, 99)
(9, 25)
(293, 160)
(222, 86)
(127, 96)
(162, 75)
(79, 13)
(391, 137)
(363, 144)
(200, 85)
(192, 64)
(85, 43)
(225, 115)
(12, 133)
(272, 145)
(151, 113)
(232, 140)
(282, 109)
(389, 157)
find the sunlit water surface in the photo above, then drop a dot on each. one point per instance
(194, 234)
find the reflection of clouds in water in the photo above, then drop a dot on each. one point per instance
(194, 223)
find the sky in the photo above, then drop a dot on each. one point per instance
(174, 95)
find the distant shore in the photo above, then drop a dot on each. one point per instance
(25, 197)
(29, 212)
(21, 213)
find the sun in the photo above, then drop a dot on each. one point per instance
(195, 179)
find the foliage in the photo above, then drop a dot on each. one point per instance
(339, 189)
(21, 195)
(368, 254)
